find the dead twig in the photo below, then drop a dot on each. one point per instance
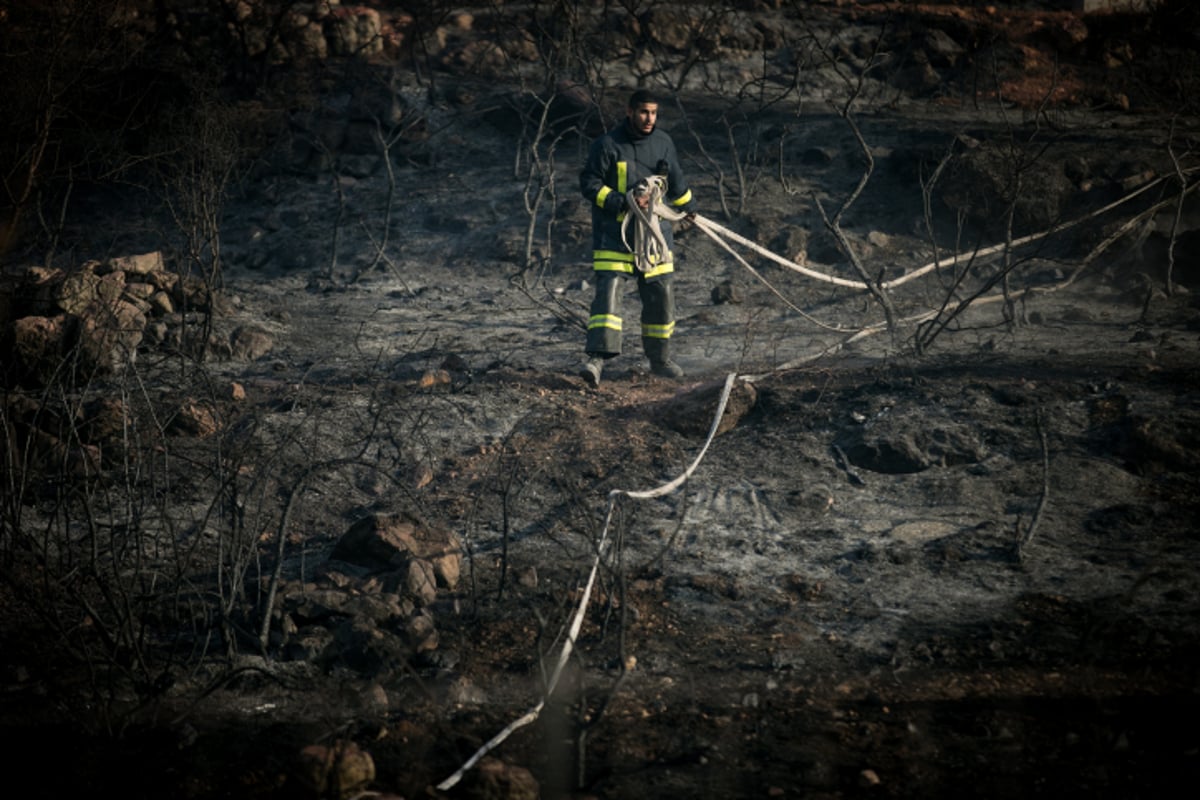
(1023, 540)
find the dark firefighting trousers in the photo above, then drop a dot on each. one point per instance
(605, 322)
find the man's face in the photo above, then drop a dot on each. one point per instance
(643, 117)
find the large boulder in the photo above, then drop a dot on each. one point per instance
(390, 543)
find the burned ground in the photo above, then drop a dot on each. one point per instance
(953, 559)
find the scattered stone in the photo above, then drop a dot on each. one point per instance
(383, 542)
(338, 771)
(940, 48)
(692, 412)
(248, 343)
(492, 779)
(434, 377)
(143, 264)
(421, 476)
(161, 303)
(36, 346)
(420, 582)
(109, 335)
(194, 419)
(528, 577)
(726, 292)
(420, 632)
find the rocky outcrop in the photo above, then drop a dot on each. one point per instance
(87, 321)
(90, 321)
(372, 608)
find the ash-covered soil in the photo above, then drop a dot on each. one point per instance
(968, 571)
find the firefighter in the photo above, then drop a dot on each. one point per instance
(633, 150)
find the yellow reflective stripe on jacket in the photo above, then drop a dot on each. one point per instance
(604, 321)
(683, 199)
(602, 195)
(622, 176)
(657, 331)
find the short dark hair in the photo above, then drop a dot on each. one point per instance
(642, 96)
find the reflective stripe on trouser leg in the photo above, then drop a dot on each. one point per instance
(604, 321)
(658, 307)
(658, 318)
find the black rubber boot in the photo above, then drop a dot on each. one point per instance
(659, 353)
(591, 370)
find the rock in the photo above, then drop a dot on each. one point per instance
(868, 778)
(143, 264)
(194, 419)
(453, 362)
(692, 412)
(248, 343)
(384, 542)
(354, 31)
(792, 241)
(361, 645)
(157, 333)
(103, 419)
(36, 346)
(139, 291)
(319, 606)
(190, 293)
(940, 48)
(308, 645)
(79, 290)
(161, 304)
(420, 581)
(420, 632)
(434, 377)
(338, 771)
(726, 292)
(669, 27)
(528, 577)
(981, 183)
(109, 335)
(492, 779)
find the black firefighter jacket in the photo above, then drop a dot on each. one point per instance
(616, 162)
